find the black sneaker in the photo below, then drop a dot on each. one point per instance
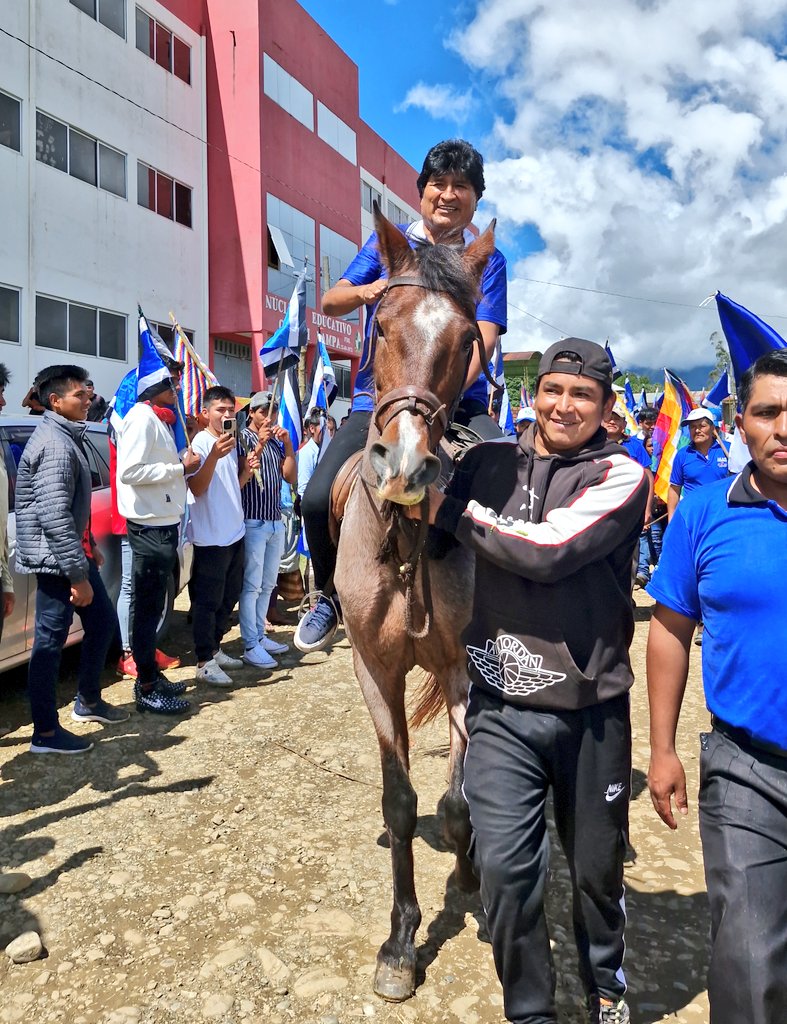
(63, 742)
(100, 712)
(158, 702)
(169, 689)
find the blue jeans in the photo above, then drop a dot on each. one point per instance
(54, 615)
(126, 589)
(650, 548)
(264, 547)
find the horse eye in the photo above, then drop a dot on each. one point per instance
(469, 339)
(380, 331)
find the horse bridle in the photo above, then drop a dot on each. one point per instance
(412, 398)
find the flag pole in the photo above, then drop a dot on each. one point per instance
(174, 386)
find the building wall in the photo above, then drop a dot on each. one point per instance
(68, 239)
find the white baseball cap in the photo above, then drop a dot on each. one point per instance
(699, 414)
(525, 414)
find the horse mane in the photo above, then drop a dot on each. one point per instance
(442, 269)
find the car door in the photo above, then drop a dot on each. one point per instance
(12, 442)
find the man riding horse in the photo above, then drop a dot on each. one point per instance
(450, 185)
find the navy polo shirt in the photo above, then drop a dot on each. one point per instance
(691, 469)
(724, 562)
(636, 450)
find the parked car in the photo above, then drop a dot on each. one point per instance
(17, 642)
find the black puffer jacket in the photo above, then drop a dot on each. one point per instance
(554, 539)
(53, 491)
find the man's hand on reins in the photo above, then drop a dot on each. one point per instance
(436, 499)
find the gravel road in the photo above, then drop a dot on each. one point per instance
(231, 866)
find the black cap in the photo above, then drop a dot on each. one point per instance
(591, 360)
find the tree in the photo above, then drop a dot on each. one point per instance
(722, 357)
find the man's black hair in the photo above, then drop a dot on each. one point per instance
(314, 418)
(453, 156)
(647, 412)
(218, 393)
(772, 364)
(57, 379)
(5, 376)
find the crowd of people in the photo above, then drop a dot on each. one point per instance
(563, 524)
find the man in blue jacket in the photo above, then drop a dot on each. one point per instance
(724, 560)
(54, 541)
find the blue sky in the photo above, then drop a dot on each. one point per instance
(634, 153)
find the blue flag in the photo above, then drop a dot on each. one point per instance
(628, 393)
(615, 371)
(290, 409)
(719, 391)
(505, 418)
(642, 401)
(124, 399)
(323, 387)
(747, 336)
(287, 342)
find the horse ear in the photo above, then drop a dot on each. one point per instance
(476, 256)
(397, 256)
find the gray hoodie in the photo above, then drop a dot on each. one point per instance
(53, 492)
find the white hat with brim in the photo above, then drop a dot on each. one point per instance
(698, 414)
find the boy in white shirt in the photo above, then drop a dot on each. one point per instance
(216, 529)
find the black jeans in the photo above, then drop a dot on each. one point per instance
(54, 615)
(743, 825)
(216, 581)
(155, 551)
(514, 756)
(351, 438)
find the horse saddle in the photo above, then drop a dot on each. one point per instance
(454, 445)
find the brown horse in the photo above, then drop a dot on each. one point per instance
(424, 335)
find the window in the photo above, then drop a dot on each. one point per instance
(111, 335)
(297, 231)
(288, 92)
(51, 323)
(111, 13)
(335, 132)
(336, 254)
(83, 330)
(80, 155)
(10, 122)
(112, 170)
(397, 215)
(157, 42)
(9, 314)
(369, 196)
(167, 334)
(278, 253)
(343, 381)
(163, 195)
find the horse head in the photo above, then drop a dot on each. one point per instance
(424, 332)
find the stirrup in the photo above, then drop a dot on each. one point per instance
(306, 604)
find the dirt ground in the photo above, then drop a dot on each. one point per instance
(231, 866)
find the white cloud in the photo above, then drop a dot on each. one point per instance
(439, 101)
(646, 141)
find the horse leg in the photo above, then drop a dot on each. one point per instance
(394, 978)
(456, 811)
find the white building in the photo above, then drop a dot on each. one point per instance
(103, 197)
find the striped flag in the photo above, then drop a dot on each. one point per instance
(323, 385)
(719, 391)
(669, 436)
(621, 409)
(628, 392)
(283, 349)
(196, 378)
(642, 401)
(525, 399)
(505, 418)
(290, 416)
(615, 371)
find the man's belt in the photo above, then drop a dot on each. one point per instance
(745, 740)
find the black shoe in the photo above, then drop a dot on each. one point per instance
(158, 702)
(163, 685)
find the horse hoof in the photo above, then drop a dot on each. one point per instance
(394, 984)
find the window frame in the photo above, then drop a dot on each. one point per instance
(97, 311)
(154, 192)
(18, 101)
(18, 292)
(154, 27)
(72, 130)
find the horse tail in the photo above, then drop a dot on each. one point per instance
(429, 702)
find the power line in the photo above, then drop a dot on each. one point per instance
(633, 298)
(563, 334)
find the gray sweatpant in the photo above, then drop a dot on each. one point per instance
(743, 824)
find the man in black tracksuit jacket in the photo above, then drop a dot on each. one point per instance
(554, 521)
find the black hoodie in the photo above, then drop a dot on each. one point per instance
(554, 539)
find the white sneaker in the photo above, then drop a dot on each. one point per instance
(273, 646)
(226, 660)
(259, 657)
(212, 673)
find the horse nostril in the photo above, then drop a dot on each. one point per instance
(426, 473)
(378, 457)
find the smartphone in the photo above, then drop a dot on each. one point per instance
(229, 426)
